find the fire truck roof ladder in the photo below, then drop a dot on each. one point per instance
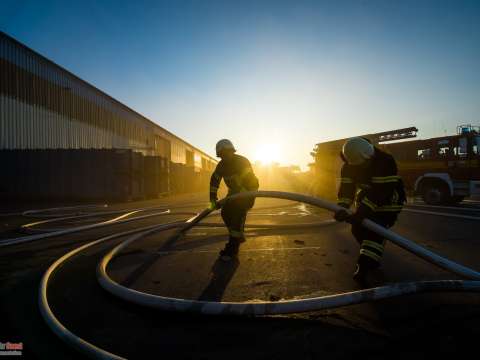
(398, 134)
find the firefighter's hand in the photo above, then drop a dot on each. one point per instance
(355, 219)
(341, 215)
(213, 205)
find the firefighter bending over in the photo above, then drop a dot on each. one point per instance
(369, 180)
(238, 175)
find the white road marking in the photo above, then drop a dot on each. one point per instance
(443, 214)
(445, 207)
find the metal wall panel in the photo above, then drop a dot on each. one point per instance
(45, 106)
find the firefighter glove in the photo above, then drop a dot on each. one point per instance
(356, 218)
(341, 215)
(213, 205)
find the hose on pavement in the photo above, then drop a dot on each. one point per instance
(256, 308)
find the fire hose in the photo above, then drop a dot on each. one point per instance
(256, 308)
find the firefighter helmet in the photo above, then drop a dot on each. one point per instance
(357, 150)
(224, 144)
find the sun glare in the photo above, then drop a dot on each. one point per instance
(267, 154)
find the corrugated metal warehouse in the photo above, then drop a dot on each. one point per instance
(48, 114)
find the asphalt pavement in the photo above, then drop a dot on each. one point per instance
(273, 265)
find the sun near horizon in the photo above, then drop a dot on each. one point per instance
(267, 154)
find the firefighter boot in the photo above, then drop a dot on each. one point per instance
(231, 249)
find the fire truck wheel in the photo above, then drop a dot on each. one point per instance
(435, 194)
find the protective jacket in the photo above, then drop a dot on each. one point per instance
(238, 175)
(375, 188)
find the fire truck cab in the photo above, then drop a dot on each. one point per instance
(443, 170)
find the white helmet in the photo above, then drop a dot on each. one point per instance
(224, 144)
(357, 150)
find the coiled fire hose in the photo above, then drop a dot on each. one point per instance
(256, 308)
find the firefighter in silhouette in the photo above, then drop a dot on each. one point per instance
(370, 182)
(238, 175)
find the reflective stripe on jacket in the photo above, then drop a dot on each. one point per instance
(238, 175)
(374, 187)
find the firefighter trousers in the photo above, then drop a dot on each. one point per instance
(234, 214)
(372, 245)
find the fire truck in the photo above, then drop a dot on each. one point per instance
(442, 170)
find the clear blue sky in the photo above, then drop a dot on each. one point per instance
(284, 74)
